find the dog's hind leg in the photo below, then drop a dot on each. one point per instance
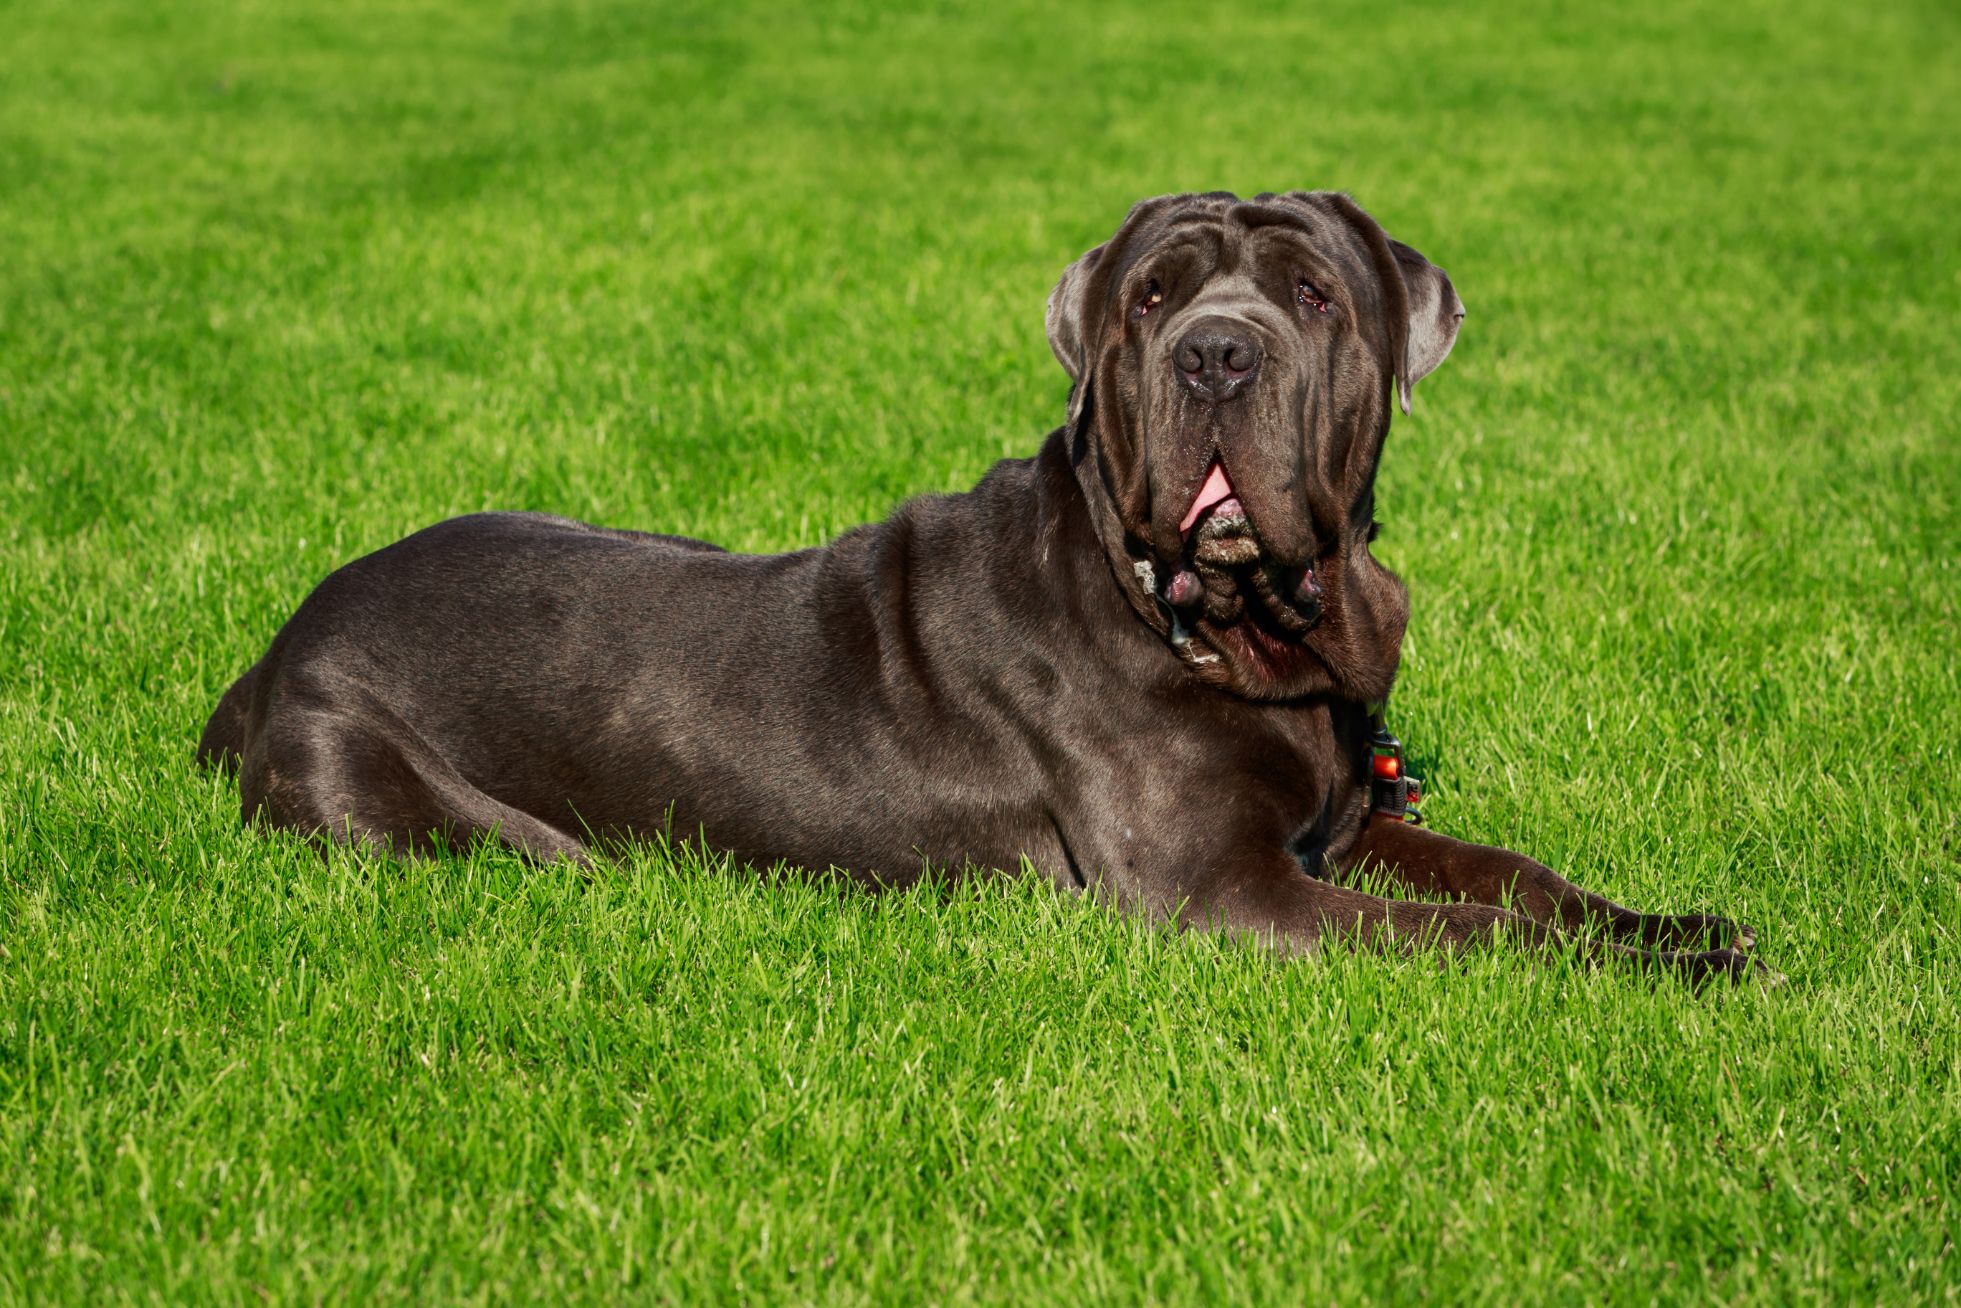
(360, 775)
(1424, 861)
(223, 743)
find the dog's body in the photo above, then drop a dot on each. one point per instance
(1142, 661)
(934, 687)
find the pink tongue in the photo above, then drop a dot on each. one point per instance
(1215, 489)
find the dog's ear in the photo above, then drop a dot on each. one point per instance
(1065, 316)
(1435, 313)
(1422, 305)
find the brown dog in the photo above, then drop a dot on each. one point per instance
(1143, 660)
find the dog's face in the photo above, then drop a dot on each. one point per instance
(1233, 362)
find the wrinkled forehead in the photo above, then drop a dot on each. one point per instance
(1231, 235)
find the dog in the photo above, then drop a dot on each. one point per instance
(1146, 662)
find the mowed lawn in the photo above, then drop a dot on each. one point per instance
(281, 283)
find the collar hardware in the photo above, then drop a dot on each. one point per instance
(1393, 793)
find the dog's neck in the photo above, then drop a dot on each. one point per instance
(1072, 477)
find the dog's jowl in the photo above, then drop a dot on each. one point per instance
(1144, 660)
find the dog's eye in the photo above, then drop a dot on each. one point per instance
(1153, 297)
(1308, 297)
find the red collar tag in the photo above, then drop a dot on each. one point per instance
(1392, 792)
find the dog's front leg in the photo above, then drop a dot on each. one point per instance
(1268, 898)
(1434, 864)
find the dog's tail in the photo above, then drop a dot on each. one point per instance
(223, 744)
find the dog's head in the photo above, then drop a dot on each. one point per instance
(1233, 364)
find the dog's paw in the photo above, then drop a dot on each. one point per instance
(1696, 932)
(1725, 933)
(1731, 965)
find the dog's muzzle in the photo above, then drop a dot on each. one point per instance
(1224, 564)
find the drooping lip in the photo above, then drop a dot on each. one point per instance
(1226, 574)
(1215, 493)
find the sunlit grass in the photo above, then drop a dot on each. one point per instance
(285, 282)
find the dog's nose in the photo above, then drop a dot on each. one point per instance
(1216, 359)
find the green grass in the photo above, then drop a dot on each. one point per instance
(284, 282)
